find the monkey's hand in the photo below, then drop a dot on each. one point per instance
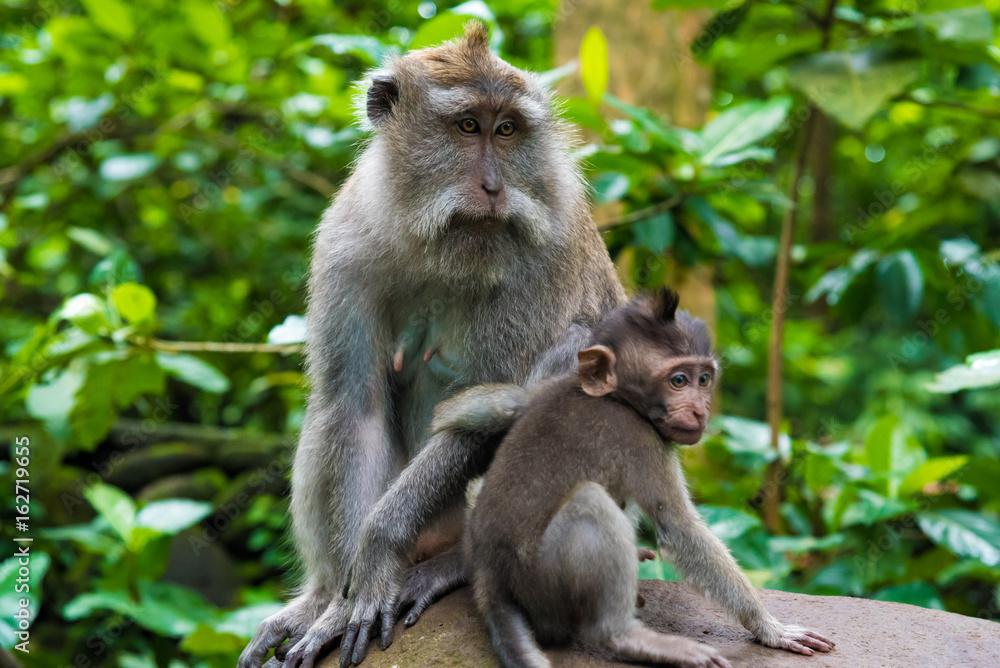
(430, 580)
(373, 593)
(795, 639)
(290, 623)
(321, 634)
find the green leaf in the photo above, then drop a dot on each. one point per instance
(594, 63)
(965, 25)
(92, 240)
(171, 516)
(737, 128)
(878, 448)
(371, 48)
(913, 593)
(243, 622)
(610, 186)
(193, 371)
(901, 284)
(134, 302)
(86, 311)
(964, 532)
(852, 87)
(53, 402)
(726, 22)
(115, 506)
(728, 523)
(128, 167)
(656, 233)
(672, 137)
(206, 21)
(657, 569)
(112, 16)
(979, 370)
(933, 470)
(441, 28)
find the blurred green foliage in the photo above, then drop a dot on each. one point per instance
(164, 165)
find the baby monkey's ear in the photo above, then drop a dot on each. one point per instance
(597, 371)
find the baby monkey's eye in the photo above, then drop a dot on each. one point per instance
(505, 129)
(468, 125)
(680, 380)
(704, 380)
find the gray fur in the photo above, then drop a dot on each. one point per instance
(392, 271)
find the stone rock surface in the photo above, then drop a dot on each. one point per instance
(867, 633)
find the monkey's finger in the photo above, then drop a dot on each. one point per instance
(799, 648)
(361, 644)
(821, 644)
(268, 635)
(347, 647)
(646, 554)
(388, 623)
(422, 603)
(824, 639)
(281, 651)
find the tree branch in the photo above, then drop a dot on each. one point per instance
(215, 346)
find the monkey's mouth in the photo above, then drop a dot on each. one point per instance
(465, 221)
(685, 436)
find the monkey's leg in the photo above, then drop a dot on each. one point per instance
(509, 630)
(588, 555)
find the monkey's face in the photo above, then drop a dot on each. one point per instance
(684, 388)
(478, 161)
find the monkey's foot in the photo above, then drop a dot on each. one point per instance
(430, 580)
(324, 631)
(291, 623)
(644, 644)
(799, 640)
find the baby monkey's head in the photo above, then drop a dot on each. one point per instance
(656, 359)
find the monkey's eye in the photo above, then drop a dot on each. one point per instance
(704, 380)
(506, 129)
(469, 126)
(680, 380)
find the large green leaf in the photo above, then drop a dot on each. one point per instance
(735, 129)
(852, 87)
(111, 16)
(656, 233)
(115, 506)
(171, 516)
(965, 532)
(913, 593)
(193, 371)
(134, 302)
(934, 469)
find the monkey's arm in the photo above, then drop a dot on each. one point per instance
(467, 429)
(703, 559)
(342, 465)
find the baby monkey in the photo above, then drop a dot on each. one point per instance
(551, 548)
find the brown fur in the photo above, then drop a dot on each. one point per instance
(550, 549)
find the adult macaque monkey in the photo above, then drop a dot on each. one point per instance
(550, 548)
(460, 252)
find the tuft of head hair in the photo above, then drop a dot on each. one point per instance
(654, 319)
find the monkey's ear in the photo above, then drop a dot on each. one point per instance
(665, 303)
(382, 95)
(597, 371)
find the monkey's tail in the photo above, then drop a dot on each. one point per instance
(512, 637)
(485, 409)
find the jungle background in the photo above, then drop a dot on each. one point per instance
(163, 166)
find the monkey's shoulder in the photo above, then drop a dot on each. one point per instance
(563, 416)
